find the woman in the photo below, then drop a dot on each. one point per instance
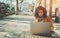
(41, 16)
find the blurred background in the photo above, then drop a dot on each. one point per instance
(29, 6)
(16, 15)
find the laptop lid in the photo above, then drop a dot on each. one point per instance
(40, 28)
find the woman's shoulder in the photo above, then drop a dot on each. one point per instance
(48, 17)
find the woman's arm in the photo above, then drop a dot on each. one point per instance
(52, 26)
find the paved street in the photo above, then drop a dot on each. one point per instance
(12, 26)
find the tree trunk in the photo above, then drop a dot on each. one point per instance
(50, 12)
(11, 1)
(17, 7)
(45, 3)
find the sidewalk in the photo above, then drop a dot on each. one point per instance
(14, 25)
(17, 23)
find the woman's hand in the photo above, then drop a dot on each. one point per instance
(36, 19)
(51, 28)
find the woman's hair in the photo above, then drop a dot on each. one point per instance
(40, 8)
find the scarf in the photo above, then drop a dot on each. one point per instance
(40, 19)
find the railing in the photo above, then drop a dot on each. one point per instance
(28, 35)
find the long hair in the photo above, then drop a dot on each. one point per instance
(40, 8)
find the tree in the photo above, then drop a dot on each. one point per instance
(17, 5)
(21, 1)
(45, 3)
(50, 8)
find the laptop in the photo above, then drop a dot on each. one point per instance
(41, 28)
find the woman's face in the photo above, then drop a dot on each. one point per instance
(40, 13)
